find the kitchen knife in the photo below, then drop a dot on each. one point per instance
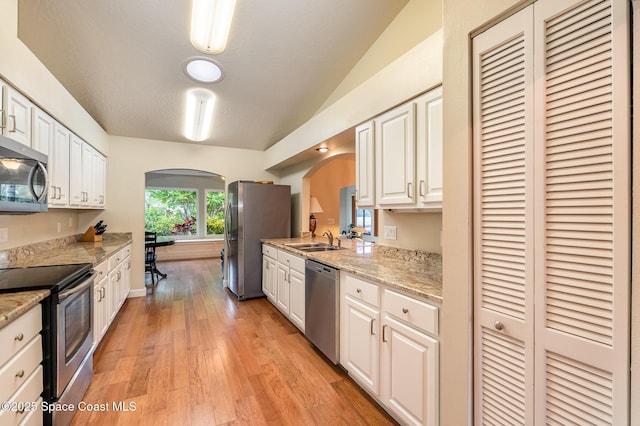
(97, 225)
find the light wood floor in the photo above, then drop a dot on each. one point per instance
(190, 354)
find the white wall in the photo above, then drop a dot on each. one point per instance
(131, 158)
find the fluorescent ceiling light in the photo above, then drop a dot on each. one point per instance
(210, 23)
(203, 70)
(199, 113)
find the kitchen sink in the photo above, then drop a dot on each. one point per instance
(301, 246)
(318, 248)
(308, 247)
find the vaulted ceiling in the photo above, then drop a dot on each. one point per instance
(123, 61)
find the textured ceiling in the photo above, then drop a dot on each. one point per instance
(122, 60)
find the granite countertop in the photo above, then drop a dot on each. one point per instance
(64, 251)
(412, 271)
(55, 252)
(13, 305)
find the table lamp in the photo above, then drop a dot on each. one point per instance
(314, 207)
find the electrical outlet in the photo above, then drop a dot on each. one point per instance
(70, 222)
(390, 232)
(4, 234)
(331, 221)
(59, 227)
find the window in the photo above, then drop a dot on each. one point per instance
(177, 212)
(215, 212)
(365, 218)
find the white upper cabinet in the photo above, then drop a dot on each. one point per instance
(75, 171)
(42, 132)
(16, 115)
(365, 165)
(429, 149)
(395, 157)
(98, 179)
(399, 156)
(59, 166)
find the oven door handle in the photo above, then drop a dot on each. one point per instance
(64, 295)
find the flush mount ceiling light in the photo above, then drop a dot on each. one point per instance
(210, 24)
(199, 113)
(322, 149)
(202, 70)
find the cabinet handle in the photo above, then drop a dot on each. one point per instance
(20, 374)
(384, 335)
(499, 326)
(371, 326)
(422, 188)
(405, 310)
(2, 123)
(14, 123)
(19, 337)
(102, 292)
(409, 184)
(358, 290)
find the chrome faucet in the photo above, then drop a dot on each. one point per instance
(329, 235)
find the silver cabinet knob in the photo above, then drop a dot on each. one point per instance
(499, 326)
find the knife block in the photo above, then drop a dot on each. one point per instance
(90, 235)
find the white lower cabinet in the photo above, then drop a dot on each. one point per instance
(20, 370)
(283, 283)
(269, 272)
(110, 290)
(389, 345)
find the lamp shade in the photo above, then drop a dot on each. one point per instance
(314, 206)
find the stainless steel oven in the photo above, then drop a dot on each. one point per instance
(75, 336)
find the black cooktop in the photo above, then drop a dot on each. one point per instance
(54, 278)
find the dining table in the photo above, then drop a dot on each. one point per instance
(161, 241)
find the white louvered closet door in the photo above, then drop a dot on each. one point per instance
(503, 222)
(582, 212)
(551, 200)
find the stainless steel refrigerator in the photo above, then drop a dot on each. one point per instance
(254, 211)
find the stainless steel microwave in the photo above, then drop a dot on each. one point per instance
(24, 181)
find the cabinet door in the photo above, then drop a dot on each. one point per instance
(42, 136)
(98, 179)
(59, 166)
(75, 171)
(297, 292)
(365, 165)
(410, 373)
(115, 279)
(125, 286)
(429, 148)
(16, 120)
(87, 183)
(360, 353)
(395, 157)
(270, 278)
(283, 289)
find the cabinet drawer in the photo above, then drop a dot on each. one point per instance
(294, 262)
(415, 312)
(34, 418)
(126, 252)
(18, 333)
(101, 271)
(363, 290)
(19, 368)
(270, 251)
(29, 392)
(116, 259)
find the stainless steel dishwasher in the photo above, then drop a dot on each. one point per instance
(321, 308)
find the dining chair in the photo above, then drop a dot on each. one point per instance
(150, 257)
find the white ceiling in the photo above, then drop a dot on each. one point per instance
(122, 60)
